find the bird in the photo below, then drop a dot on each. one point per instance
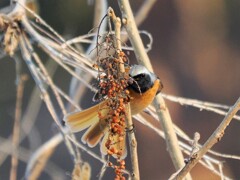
(143, 88)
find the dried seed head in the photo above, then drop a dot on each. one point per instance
(11, 39)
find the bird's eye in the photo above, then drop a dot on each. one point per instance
(139, 77)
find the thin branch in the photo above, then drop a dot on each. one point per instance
(84, 39)
(213, 139)
(129, 122)
(32, 110)
(92, 154)
(183, 135)
(202, 105)
(39, 159)
(18, 9)
(21, 3)
(68, 69)
(16, 128)
(185, 148)
(55, 172)
(143, 12)
(54, 47)
(133, 147)
(161, 108)
(45, 75)
(192, 102)
(99, 12)
(76, 88)
(27, 57)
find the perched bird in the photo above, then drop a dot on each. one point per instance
(144, 87)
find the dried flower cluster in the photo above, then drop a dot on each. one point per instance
(9, 28)
(112, 85)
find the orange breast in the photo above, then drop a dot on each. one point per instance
(141, 101)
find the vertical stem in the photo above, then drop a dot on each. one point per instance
(16, 127)
(170, 135)
(133, 147)
(131, 28)
(142, 57)
(129, 122)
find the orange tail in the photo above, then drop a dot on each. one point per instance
(78, 121)
(97, 128)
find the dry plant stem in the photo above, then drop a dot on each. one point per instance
(21, 5)
(213, 139)
(48, 79)
(51, 144)
(144, 10)
(86, 39)
(202, 105)
(184, 136)
(53, 47)
(192, 102)
(142, 57)
(170, 135)
(133, 34)
(129, 122)
(39, 159)
(76, 153)
(185, 147)
(16, 129)
(77, 88)
(29, 117)
(133, 147)
(99, 11)
(117, 25)
(92, 154)
(68, 69)
(24, 155)
(27, 57)
(46, 75)
(18, 9)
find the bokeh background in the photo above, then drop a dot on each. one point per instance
(196, 53)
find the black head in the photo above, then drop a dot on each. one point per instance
(142, 79)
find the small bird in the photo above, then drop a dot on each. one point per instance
(142, 90)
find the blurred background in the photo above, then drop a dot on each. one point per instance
(195, 52)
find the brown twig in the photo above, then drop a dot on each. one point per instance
(45, 95)
(213, 139)
(31, 112)
(52, 169)
(77, 88)
(129, 122)
(143, 12)
(16, 128)
(38, 160)
(161, 108)
(207, 161)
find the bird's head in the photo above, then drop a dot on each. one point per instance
(141, 79)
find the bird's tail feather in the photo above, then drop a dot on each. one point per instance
(98, 128)
(78, 121)
(94, 134)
